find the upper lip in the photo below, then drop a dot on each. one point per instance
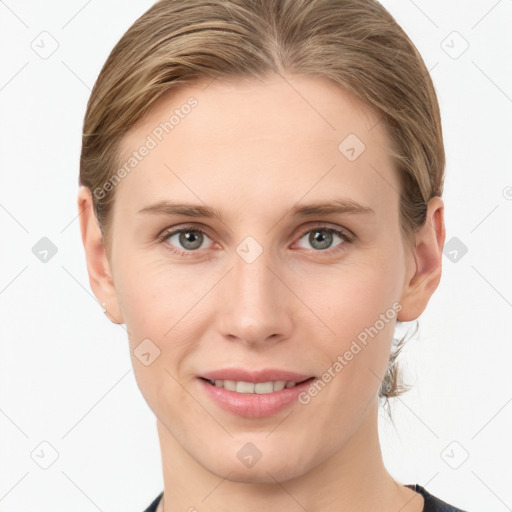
(255, 376)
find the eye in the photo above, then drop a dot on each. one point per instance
(321, 238)
(184, 240)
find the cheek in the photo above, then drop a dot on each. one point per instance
(358, 306)
(163, 312)
(353, 296)
(154, 295)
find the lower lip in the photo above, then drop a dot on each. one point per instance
(254, 405)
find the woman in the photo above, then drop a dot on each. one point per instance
(260, 203)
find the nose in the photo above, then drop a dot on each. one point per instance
(256, 305)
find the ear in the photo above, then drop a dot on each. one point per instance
(424, 263)
(98, 266)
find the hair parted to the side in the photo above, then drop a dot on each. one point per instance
(355, 43)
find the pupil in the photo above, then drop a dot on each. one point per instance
(325, 240)
(187, 239)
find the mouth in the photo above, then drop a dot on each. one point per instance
(254, 394)
(259, 388)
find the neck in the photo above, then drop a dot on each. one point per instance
(352, 478)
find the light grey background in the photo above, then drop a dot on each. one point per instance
(66, 377)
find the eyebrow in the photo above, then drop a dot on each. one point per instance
(344, 206)
(340, 206)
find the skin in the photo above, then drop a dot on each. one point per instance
(253, 150)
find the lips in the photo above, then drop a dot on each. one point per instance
(255, 376)
(230, 389)
(258, 404)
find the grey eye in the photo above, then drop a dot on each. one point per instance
(322, 238)
(188, 239)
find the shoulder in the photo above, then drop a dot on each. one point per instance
(154, 504)
(433, 504)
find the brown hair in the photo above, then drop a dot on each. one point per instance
(355, 43)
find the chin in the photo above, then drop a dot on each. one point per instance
(276, 466)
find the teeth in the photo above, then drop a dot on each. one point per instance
(250, 387)
(227, 384)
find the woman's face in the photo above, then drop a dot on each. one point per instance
(272, 282)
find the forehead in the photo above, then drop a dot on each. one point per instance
(285, 133)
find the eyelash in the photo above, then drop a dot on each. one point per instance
(344, 234)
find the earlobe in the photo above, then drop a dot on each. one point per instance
(425, 263)
(98, 266)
